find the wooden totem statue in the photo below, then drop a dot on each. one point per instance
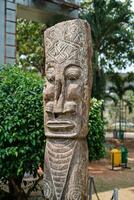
(66, 94)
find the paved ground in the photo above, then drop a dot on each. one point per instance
(123, 194)
(106, 179)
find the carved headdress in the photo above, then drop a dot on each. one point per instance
(69, 44)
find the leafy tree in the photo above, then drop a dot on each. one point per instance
(30, 45)
(120, 84)
(130, 96)
(96, 135)
(113, 38)
(21, 127)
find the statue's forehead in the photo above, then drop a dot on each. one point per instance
(66, 42)
(62, 52)
(63, 65)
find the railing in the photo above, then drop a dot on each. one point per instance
(92, 188)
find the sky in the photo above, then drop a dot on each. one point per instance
(133, 5)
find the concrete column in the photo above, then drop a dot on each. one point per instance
(2, 30)
(10, 32)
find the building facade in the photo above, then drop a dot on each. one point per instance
(45, 11)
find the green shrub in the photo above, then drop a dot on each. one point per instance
(22, 127)
(96, 135)
(21, 123)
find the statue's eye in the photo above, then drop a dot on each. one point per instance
(50, 77)
(73, 73)
(50, 74)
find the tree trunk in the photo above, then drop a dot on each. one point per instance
(99, 79)
(15, 190)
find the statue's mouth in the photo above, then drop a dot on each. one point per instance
(59, 125)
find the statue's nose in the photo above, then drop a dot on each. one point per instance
(58, 89)
(59, 96)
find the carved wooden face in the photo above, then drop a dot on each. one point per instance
(66, 93)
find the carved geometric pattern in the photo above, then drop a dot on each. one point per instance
(68, 53)
(68, 43)
(74, 193)
(60, 154)
(48, 192)
(63, 51)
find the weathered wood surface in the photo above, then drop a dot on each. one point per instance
(67, 92)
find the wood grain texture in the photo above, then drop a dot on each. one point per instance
(68, 51)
